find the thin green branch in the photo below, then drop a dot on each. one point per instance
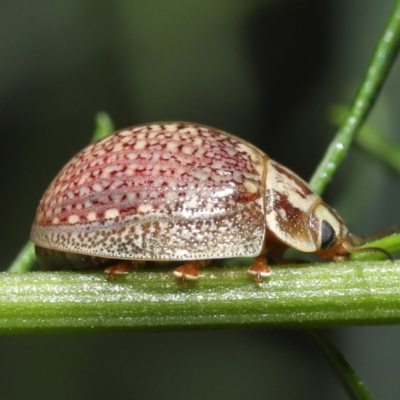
(382, 60)
(104, 126)
(24, 260)
(352, 383)
(380, 65)
(319, 295)
(379, 68)
(371, 140)
(380, 147)
(26, 257)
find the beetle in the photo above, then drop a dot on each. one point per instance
(177, 191)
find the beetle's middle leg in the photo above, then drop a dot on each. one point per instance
(260, 268)
(190, 270)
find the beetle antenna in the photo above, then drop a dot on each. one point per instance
(374, 250)
(359, 240)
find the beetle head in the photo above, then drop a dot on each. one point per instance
(331, 234)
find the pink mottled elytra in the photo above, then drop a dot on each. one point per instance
(178, 191)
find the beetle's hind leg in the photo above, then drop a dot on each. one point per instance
(120, 268)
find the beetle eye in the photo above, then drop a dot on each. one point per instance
(328, 235)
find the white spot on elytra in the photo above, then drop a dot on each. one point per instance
(73, 219)
(126, 139)
(155, 127)
(83, 191)
(187, 150)
(57, 189)
(140, 145)
(132, 156)
(83, 178)
(153, 134)
(172, 146)
(144, 208)
(198, 141)
(97, 187)
(191, 131)
(91, 216)
(112, 168)
(190, 204)
(111, 213)
(199, 152)
(171, 127)
(116, 184)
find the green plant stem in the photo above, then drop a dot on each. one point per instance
(379, 68)
(319, 295)
(352, 383)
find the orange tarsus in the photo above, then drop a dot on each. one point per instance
(188, 271)
(259, 268)
(116, 269)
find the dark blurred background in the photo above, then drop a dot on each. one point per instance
(267, 71)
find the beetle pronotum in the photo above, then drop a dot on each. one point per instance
(178, 191)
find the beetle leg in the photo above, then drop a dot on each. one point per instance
(190, 270)
(259, 268)
(121, 268)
